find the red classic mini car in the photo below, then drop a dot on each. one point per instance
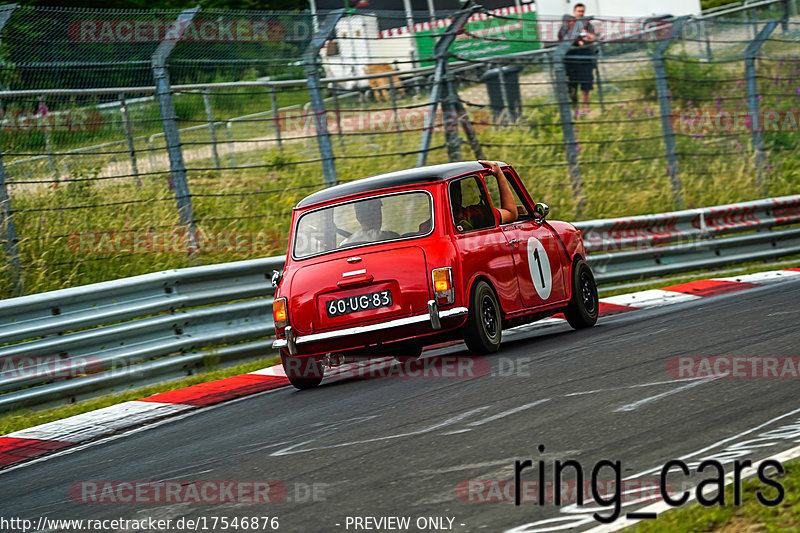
(388, 264)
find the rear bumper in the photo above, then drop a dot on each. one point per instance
(434, 316)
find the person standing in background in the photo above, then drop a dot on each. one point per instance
(579, 61)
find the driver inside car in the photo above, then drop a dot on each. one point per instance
(476, 216)
(369, 214)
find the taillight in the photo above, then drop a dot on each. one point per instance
(279, 314)
(443, 289)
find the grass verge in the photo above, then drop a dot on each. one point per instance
(751, 516)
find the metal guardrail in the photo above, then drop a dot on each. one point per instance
(84, 341)
(628, 248)
(89, 338)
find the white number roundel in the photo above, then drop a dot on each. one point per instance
(539, 265)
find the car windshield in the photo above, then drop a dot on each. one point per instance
(365, 221)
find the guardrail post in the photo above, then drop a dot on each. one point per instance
(752, 95)
(169, 121)
(565, 111)
(276, 119)
(665, 107)
(212, 129)
(442, 55)
(126, 124)
(311, 65)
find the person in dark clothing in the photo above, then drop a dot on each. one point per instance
(579, 61)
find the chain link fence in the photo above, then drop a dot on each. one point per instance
(136, 141)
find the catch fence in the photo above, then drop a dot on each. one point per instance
(136, 141)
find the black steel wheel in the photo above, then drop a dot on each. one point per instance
(484, 326)
(584, 305)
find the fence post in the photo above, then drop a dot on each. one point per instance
(170, 124)
(709, 56)
(126, 124)
(231, 144)
(48, 136)
(598, 57)
(752, 95)
(395, 113)
(276, 119)
(665, 107)
(567, 129)
(311, 65)
(785, 16)
(450, 119)
(212, 129)
(8, 232)
(501, 78)
(442, 55)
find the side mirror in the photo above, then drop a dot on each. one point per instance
(540, 211)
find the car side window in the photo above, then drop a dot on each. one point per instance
(469, 205)
(494, 193)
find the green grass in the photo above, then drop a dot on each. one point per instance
(21, 419)
(623, 173)
(750, 516)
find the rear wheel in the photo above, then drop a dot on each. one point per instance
(584, 305)
(303, 372)
(484, 325)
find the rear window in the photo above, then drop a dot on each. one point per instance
(362, 222)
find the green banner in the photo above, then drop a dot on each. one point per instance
(485, 38)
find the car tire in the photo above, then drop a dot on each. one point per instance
(303, 372)
(584, 305)
(484, 326)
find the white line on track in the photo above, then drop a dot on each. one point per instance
(504, 414)
(638, 385)
(635, 405)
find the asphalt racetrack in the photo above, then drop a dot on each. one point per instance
(441, 452)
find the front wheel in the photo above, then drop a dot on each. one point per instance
(303, 372)
(584, 305)
(484, 325)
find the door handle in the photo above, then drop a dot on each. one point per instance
(514, 242)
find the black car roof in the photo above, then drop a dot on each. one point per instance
(393, 179)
